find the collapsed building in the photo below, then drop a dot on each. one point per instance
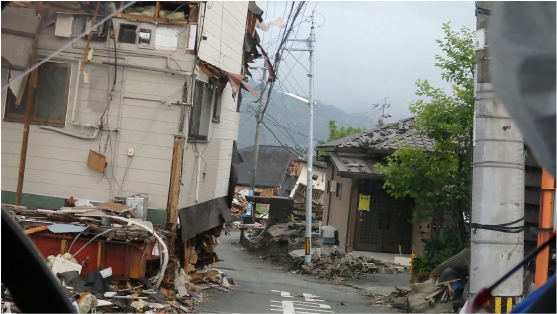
(119, 111)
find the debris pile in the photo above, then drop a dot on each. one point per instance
(336, 265)
(445, 297)
(239, 205)
(444, 292)
(110, 262)
(277, 241)
(300, 210)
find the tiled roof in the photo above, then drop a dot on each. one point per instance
(272, 164)
(390, 136)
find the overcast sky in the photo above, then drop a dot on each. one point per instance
(366, 51)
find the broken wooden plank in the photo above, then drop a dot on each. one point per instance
(36, 229)
(86, 49)
(115, 207)
(205, 274)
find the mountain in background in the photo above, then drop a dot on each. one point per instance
(286, 121)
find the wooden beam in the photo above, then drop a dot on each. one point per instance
(17, 33)
(86, 49)
(35, 230)
(27, 120)
(153, 19)
(99, 254)
(14, 67)
(157, 8)
(63, 246)
(174, 188)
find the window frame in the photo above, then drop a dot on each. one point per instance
(338, 192)
(217, 106)
(203, 104)
(35, 119)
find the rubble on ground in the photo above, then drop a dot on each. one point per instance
(274, 243)
(108, 230)
(336, 265)
(239, 205)
(444, 292)
(284, 243)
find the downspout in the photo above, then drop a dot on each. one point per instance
(329, 206)
(115, 166)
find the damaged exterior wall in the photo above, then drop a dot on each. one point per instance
(57, 163)
(318, 184)
(336, 210)
(224, 29)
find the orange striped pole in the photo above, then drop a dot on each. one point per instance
(545, 227)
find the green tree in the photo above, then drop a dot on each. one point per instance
(439, 180)
(380, 122)
(336, 133)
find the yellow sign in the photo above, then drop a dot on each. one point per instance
(363, 204)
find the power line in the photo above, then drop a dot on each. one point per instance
(281, 144)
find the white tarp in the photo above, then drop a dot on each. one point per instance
(266, 24)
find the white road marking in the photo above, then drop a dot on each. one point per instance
(309, 306)
(283, 294)
(312, 298)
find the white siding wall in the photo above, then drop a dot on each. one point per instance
(57, 163)
(319, 184)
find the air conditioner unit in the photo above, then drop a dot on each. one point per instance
(332, 186)
(65, 26)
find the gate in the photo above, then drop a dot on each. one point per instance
(386, 224)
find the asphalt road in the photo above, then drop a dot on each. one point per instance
(264, 288)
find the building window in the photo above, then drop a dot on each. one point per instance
(50, 98)
(200, 116)
(339, 190)
(217, 108)
(127, 33)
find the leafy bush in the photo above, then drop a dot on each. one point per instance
(440, 247)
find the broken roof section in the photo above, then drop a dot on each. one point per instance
(388, 138)
(272, 165)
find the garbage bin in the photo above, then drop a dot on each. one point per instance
(329, 235)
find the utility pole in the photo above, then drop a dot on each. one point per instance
(497, 184)
(309, 192)
(259, 120)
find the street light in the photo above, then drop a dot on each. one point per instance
(309, 186)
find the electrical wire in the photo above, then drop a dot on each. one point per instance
(98, 235)
(504, 228)
(324, 20)
(128, 164)
(281, 144)
(75, 239)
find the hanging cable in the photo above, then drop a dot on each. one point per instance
(98, 235)
(500, 227)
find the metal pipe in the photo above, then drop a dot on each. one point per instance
(142, 67)
(198, 159)
(115, 165)
(309, 194)
(84, 137)
(77, 80)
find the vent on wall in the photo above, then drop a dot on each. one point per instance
(127, 34)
